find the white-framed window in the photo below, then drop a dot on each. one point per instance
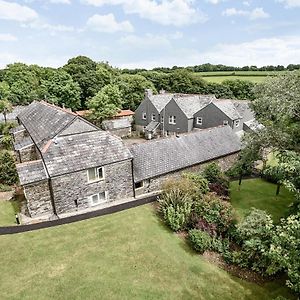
(237, 123)
(162, 119)
(144, 116)
(172, 120)
(199, 121)
(153, 117)
(98, 198)
(139, 185)
(95, 174)
(225, 122)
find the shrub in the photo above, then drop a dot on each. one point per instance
(176, 217)
(200, 240)
(5, 128)
(212, 172)
(6, 142)
(219, 189)
(176, 202)
(8, 172)
(182, 187)
(215, 211)
(200, 223)
(254, 234)
(200, 182)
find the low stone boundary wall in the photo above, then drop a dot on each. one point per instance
(76, 218)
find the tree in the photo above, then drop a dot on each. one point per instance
(106, 103)
(284, 252)
(5, 105)
(8, 172)
(133, 89)
(90, 76)
(23, 81)
(277, 107)
(59, 88)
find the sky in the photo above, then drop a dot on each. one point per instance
(150, 33)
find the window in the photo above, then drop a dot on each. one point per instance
(139, 185)
(98, 198)
(95, 174)
(144, 116)
(172, 120)
(153, 117)
(225, 122)
(199, 121)
(237, 123)
(162, 119)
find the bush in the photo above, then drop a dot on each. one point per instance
(8, 172)
(200, 182)
(212, 172)
(200, 240)
(215, 211)
(219, 189)
(5, 128)
(6, 142)
(254, 235)
(176, 202)
(176, 217)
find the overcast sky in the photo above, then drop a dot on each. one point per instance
(150, 33)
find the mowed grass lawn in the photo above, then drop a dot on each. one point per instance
(260, 194)
(127, 255)
(7, 213)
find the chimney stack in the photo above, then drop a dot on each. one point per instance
(148, 93)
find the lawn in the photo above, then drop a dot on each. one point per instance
(262, 195)
(127, 255)
(253, 76)
(7, 212)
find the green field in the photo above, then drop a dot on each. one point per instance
(127, 255)
(8, 210)
(253, 76)
(262, 195)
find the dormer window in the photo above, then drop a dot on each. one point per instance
(237, 123)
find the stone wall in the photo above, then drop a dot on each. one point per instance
(155, 184)
(38, 199)
(28, 154)
(19, 135)
(117, 183)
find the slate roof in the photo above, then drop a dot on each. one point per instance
(152, 126)
(191, 104)
(163, 156)
(27, 141)
(43, 121)
(30, 172)
(228, 108)
(73, 153)
(161, 100)
(243, 108)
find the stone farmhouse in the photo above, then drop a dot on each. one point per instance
(168, 113)
(66, 164)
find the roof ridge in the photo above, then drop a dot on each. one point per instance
(58, 107)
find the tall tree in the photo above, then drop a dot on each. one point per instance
(133, 89)
(106, 103)
(277, 107)
(58, 87)
(5, 105)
